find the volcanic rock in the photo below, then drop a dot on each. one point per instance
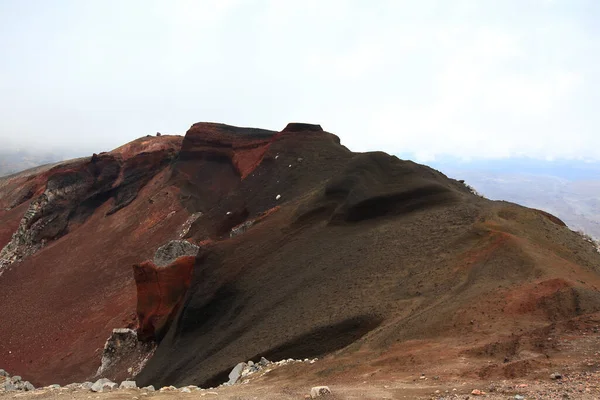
(128, 385)
(161, 289)
(124, 354)
(171, 251)
(235, 374)
(102, 385)
(319, 391)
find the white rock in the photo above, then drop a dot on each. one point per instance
(103, 384)
(186, 390)
(319, 391)
(277, 197)
(235, 374)
(128, 385)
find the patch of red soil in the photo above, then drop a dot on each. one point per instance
(160, 291)
(527, 298)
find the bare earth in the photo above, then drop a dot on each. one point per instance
(577, 358)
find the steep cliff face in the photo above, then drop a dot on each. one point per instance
(160, 291)
(276, 244)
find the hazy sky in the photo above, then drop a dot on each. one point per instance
(469, 79)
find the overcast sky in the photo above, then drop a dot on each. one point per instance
(459, 78)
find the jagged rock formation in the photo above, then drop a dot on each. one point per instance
(305, 249)
(73, 192)
(124, 355)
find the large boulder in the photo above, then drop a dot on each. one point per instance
(236, 374)
(103, 385)
(124, 355)
(128, 385)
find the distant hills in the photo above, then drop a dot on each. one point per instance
(568, 189)
(19, 160)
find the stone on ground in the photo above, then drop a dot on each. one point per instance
(319, 391)
(103, 384)
(128, 385)
(235, 374)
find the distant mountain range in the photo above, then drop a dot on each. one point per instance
(19, 160)
(568, 189)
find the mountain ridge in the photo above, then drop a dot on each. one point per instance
(304, 249)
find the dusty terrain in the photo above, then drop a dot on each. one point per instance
(382, 268)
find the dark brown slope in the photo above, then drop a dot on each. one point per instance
(365, 252)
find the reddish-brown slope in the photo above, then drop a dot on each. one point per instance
(68, 296)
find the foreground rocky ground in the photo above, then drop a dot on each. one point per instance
(576, 386)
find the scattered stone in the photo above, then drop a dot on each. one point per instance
(149, 388)
(16, 379)
(277, 197)
(54, 386)
(3, 373)
(238, 230)
(519, 397)
(102, 385)
(555, 376)
(186, 390)
(27, 386)
(185, 228)
(128, 385)
(10, 387)
(477, 392)
(235, 374)
(263, 362)
(86, 385)
(319, 391)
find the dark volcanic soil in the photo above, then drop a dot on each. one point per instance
(377, 262)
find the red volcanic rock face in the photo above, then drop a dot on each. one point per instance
(244, 148)
(160, 291)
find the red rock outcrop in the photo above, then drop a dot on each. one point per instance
(160, 291)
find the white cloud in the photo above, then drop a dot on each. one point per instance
(468, 78)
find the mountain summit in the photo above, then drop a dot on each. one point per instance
(232, 244)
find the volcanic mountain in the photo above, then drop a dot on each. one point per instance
(282, 245)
